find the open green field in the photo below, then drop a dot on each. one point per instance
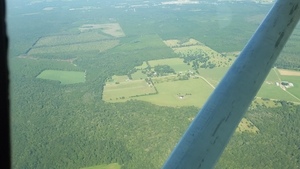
(109, 166)
(70, 39)
(213, 75)
(143, 66)
(272, 91)
(176, 63)
(296, 81)
(118, 79)
(65, 77)
(138, 75)
(99, 46)
(113, 29)
(122, 91)
(193, 92)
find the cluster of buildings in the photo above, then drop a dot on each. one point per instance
(284, 84)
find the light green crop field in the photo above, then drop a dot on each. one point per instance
(273, 76)
(272, 91)
(138, 75)
(213, 75)
(144, 42)
(193, 92)
(109, 166)
(99, 46)
(124, 90)
(176, 63)
(119, 78)
(295, 90)
(143, 66)
(65, 77)
(70, 39)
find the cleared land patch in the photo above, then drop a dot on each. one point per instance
(246, 126)
(295, 90)
(65, 77)
(109, 166)
(285, 72)
(71, 45)
(193, 92)
(119, 91)
(176, 63)
(138, 75)
(113, 29)
(80, 47)
(70, 39)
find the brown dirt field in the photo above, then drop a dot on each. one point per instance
(286, 72)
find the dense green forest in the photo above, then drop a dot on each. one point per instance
(69, 126)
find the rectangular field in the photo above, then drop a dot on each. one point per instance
(65, 77)
(124, 90)
(193, 92)
(69, 39)
(109, 166)
(113, 29)
(285, 72)
(98, 46)
(295, 90)
(138, 75)
(176, 63)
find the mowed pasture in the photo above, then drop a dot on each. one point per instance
(213, 75)
(64, 77)
(113, 29)
(122, 91)
(176, 63)
(70, 39)
(109, 166)
(138, 75)
(295, 90)
(193, 92)
(99, 46)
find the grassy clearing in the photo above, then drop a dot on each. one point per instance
(99, 46)
(109, 166)
(213, 75)
(193, 92)
(176, 63)
(138, 75)
(125, 90)
(246, 126)
(143, 66)
(69, 39)
(272, 91)
(119, 79)
(153, 42)
(65, 77)
(113, 29)
(296, 82)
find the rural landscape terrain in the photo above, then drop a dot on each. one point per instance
(114, 84)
